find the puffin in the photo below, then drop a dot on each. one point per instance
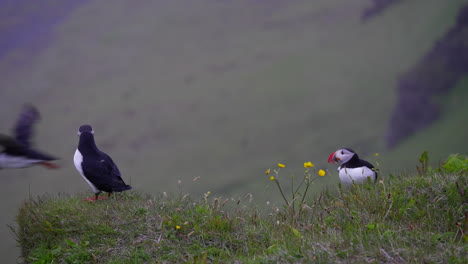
(352, 169)
(17, 150)
(96, 167)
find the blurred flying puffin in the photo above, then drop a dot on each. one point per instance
(352, 169)
(96, 167)
(17, 151)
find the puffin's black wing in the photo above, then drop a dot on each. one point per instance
(35, 154)
(104, 174)
(23, 129)
(14, 148)
(369, 165)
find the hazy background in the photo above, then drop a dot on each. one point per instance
(222, 90)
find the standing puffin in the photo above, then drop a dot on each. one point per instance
(17, 151)
(96, 167)
(352, 169)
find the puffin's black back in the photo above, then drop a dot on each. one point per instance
(10, 146)
(103, 173)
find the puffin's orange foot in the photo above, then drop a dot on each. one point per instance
(50, 165)
(93, 199)
(90, 199)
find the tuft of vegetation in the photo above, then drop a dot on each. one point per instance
(407, 218)
(296, 204)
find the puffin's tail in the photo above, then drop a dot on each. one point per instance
(122, 188)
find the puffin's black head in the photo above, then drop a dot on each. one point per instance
(85, 129)
(31, 113)
(341, 156)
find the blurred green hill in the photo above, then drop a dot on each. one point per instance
(177, 90)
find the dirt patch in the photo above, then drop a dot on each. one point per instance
(436, 74)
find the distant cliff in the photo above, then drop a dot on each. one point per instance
(378, 6)
(437, 73)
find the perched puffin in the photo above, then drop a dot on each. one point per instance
(96, 167)
(352, 169)
(17, 151)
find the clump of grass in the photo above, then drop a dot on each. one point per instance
(408, 218)
(296, 203)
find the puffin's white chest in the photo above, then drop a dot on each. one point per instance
(356, 175)
(78, 160)
(7, 161)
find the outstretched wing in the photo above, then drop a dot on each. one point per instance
(104, 174)
(23, 129)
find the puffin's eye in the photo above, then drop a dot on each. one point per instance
(342, 152)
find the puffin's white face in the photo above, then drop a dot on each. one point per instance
(341, 156)
(79, 133)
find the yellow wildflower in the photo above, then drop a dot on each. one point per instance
(321, 173)
(272, 178)
(376, 154)
(281, 165)
(177, 227)
(267, 171)
(308, 164)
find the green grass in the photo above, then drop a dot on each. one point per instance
(407, 218)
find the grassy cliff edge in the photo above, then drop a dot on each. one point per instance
(414, 218)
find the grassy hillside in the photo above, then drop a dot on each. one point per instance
(407, 218)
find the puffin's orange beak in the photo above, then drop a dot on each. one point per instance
(332, 158)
